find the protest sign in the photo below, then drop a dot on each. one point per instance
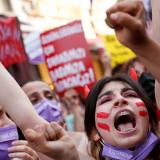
(67, 57)
(118, 52)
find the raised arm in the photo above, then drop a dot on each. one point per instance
(127, 19)
(156, 35)
(155, 19)
(15, 102)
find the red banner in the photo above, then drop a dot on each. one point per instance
(67, 57)
(11, 45)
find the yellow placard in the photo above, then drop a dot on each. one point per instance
(118, 52)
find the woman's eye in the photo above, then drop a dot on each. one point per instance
(49, 96)
(104, 100)
(34, 100)
(131, 94)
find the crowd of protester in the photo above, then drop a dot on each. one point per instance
(119, 119)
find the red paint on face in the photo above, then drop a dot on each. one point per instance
(103, 126)
(143, 113)
(140, 104)
(102, 115)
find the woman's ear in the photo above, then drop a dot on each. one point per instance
(94, 135)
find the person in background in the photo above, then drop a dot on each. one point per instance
(105, 60)
(75, 106)
(68, 115)
(38, 92)
(133, 63)
(44, 100)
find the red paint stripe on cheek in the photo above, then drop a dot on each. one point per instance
(103, 126)
(102, 115)
(140, 104)
(143, 113)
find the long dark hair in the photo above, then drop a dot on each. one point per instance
(91, 107)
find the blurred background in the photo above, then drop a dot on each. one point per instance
(37, 16)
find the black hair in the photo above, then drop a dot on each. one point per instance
(147, 81)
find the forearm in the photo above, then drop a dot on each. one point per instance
(15, 102)
(149, 54)
(157, 94)
(156, 34)
(155, 19)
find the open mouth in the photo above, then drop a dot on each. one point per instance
(125, 121)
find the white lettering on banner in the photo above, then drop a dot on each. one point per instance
(61, 33)
(91, 74)
(49, 49)
(74, 81)
(66, 56)
(10, 50)
(8, 32)
(68, 69)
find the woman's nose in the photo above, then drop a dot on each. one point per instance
(120, 102)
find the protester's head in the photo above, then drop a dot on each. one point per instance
(72, 96)
(44, 100)
(119, 113)
(139, 66)
(133, 63)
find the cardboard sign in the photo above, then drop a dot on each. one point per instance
(118, 52)
(67, 57)
(11, 45)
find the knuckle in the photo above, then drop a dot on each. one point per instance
(139, 3)
(26, 156)
(26, 149)
(138, 25)
(119, 6)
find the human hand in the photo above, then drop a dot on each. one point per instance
(21, 150)
(106, 60)
(127, 18)
(53, 141)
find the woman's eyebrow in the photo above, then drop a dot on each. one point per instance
(104, 94)
(127, 89)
